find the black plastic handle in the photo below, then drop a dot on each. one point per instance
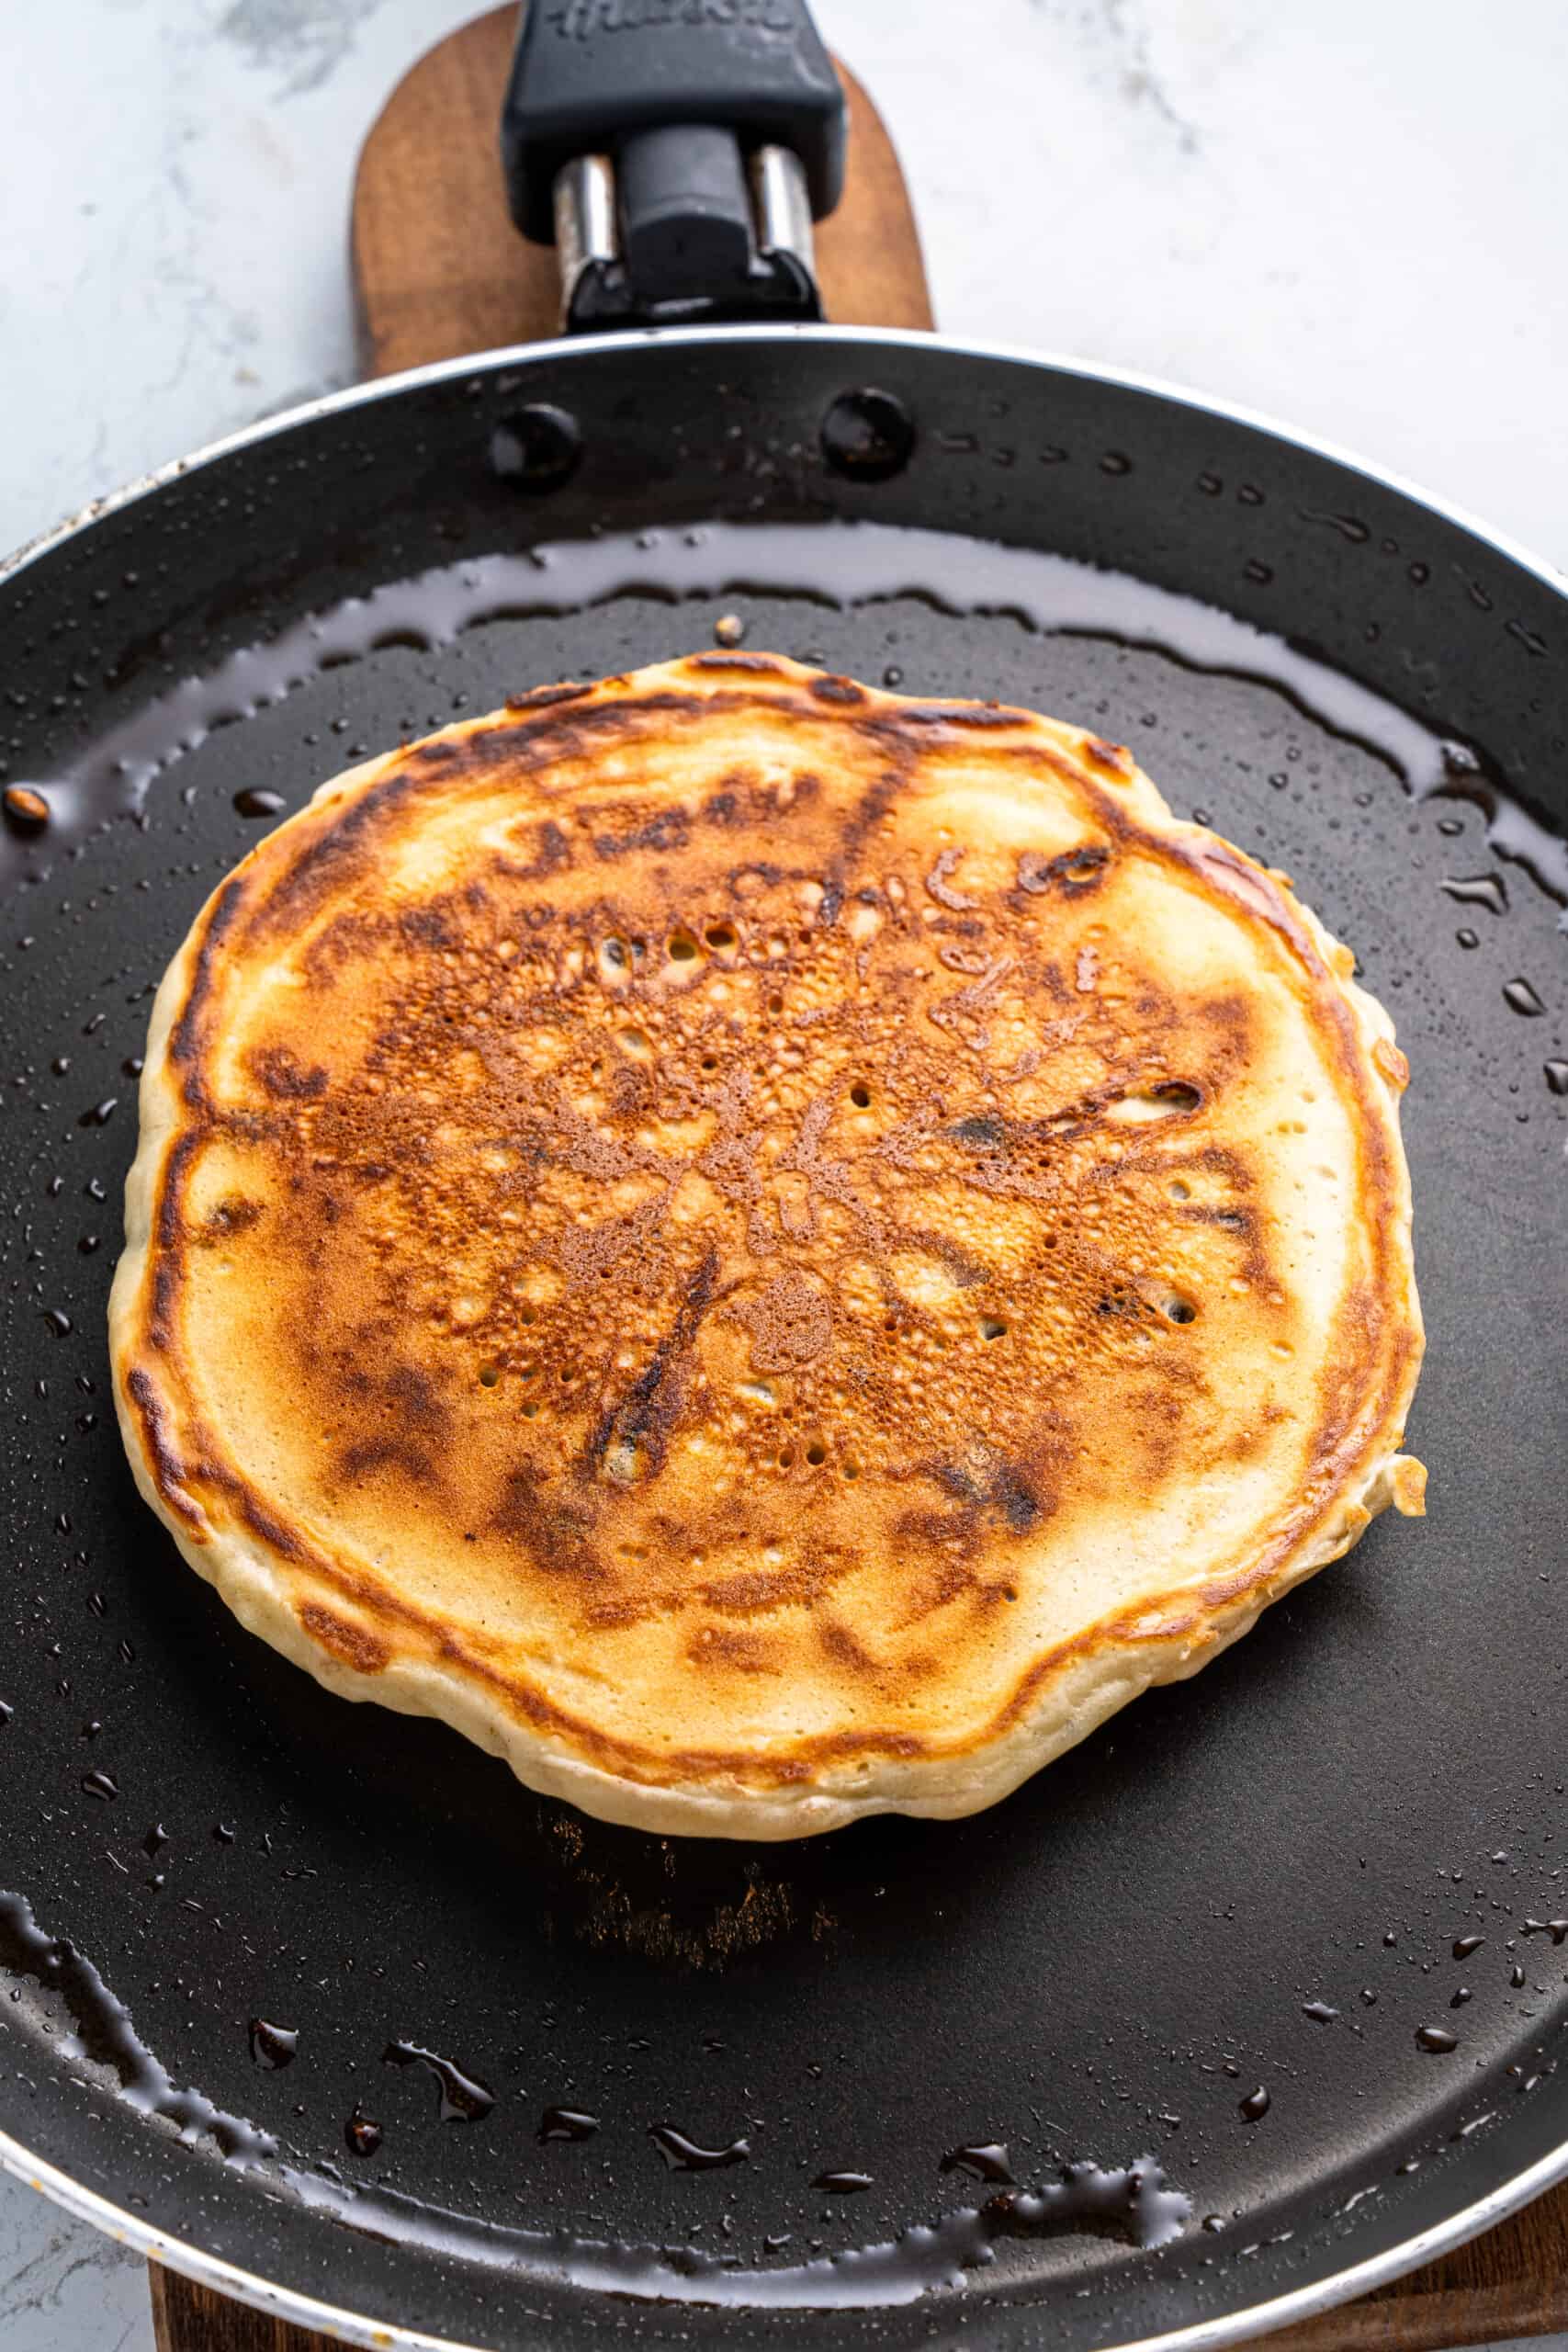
(676, 100)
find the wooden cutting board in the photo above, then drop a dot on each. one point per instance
(438, 271)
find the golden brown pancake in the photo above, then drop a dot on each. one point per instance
(768, 1252)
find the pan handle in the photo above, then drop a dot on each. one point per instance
(675, 153)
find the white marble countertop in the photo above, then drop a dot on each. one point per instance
(1346, 213)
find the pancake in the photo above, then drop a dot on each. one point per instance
(769, 1252)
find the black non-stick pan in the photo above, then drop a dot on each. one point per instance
(1262, 1988)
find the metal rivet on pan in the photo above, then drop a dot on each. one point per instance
(537, 448)
(867, 434)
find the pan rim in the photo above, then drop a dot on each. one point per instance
(302, 2310)
(307, 2310)
(915, 339)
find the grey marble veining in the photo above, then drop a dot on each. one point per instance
(1347, 215)
(62, 2287)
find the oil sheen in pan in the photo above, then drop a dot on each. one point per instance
(836, 565)
(1136, 2204)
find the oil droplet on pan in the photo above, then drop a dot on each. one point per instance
(567, 2123)
(982, 2160)
(463, 2099)
(684, 2156)
(272, 2046)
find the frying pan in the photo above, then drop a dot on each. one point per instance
(314, 2003)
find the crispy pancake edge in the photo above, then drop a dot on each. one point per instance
(348, 1635)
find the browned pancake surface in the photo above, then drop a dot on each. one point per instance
(727, 1230)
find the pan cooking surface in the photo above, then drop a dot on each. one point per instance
(1252, 1956)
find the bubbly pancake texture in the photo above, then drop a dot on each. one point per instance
(768, 1252)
